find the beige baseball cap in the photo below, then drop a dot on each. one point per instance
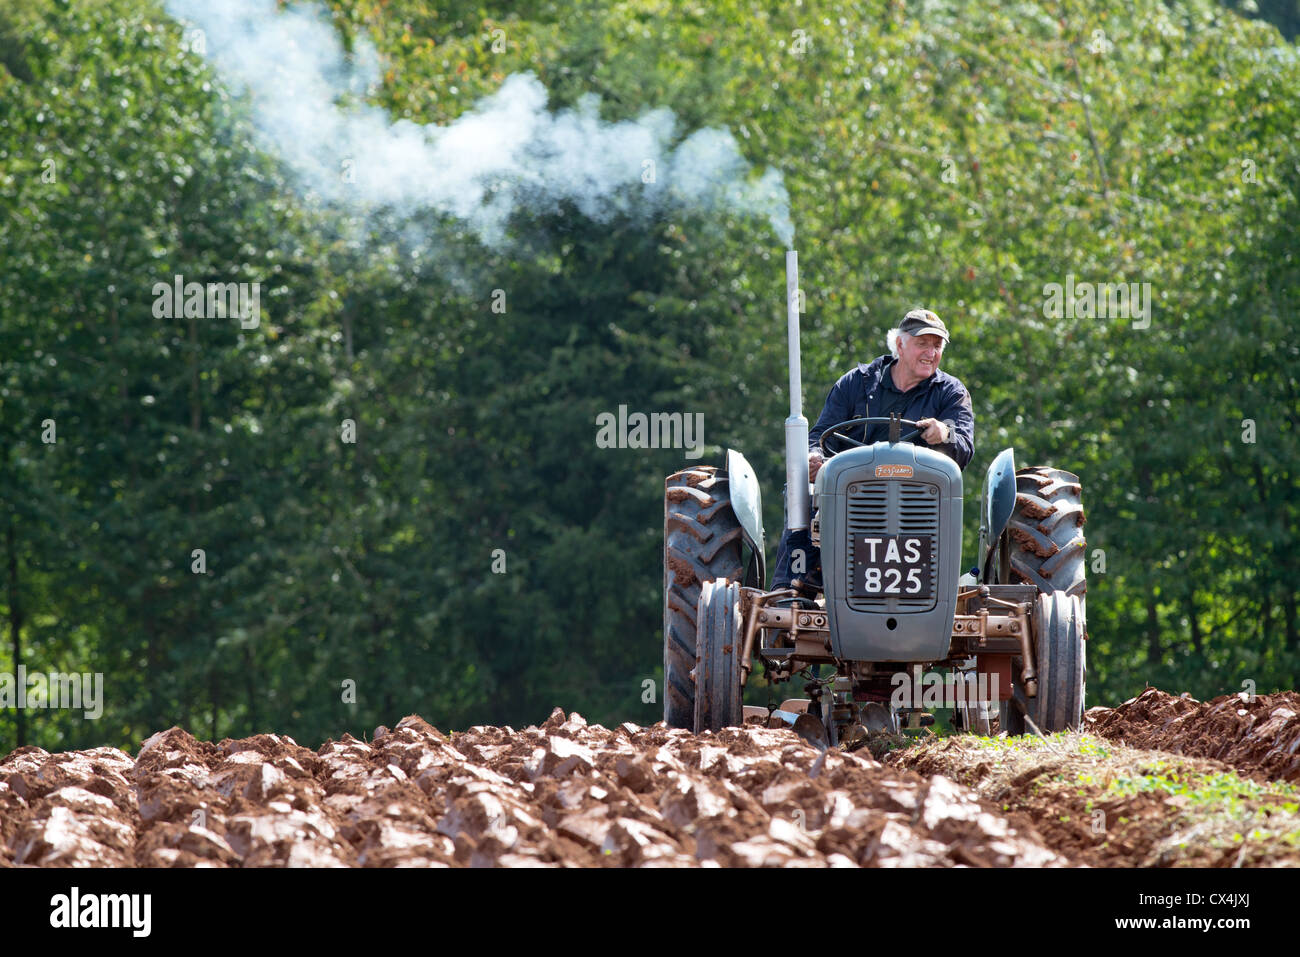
(923, 322)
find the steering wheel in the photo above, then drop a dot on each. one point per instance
(836, 430)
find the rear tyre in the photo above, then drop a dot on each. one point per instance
(718, 647)
(702, 542)
(1045, 532)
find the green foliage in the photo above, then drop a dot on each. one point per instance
(943, 154)
(1225, 789)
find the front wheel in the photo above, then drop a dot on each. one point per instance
(1059, 645)
(718, 651)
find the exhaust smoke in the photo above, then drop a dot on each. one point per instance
(505, 153)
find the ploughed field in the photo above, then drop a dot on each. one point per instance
(1157, 781)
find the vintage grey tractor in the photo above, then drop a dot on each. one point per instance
(892, 628)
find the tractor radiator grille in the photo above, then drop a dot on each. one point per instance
(915, 507)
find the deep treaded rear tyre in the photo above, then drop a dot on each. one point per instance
(702, 541)
(717, 672)
(1046, 532)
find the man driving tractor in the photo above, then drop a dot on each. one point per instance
(907, 381)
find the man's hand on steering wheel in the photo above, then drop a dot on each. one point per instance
(933, 432)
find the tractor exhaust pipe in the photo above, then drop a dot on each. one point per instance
(796, 426)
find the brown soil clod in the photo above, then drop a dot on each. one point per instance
(684, 574)
(1041, 546)
(1033, 507)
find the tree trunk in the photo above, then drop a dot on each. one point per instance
(1154, 652)
(1195, 623)
(214, 692)
(250, 689)
(15, 626)
(1265, 619)
(154, 657)
(196, 405)
(1288, 605)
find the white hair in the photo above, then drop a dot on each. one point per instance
(891, 340)
(894, 336)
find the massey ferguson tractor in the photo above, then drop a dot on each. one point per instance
(892, 617)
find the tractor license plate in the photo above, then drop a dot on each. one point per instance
(887, 566)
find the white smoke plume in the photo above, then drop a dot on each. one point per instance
(507, 151)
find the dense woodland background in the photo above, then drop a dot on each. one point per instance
(948, 154)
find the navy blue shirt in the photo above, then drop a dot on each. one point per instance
(869, 390)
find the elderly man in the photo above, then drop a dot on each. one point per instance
(908, 382)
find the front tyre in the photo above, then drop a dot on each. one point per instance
(717, 668)
(1059, 628)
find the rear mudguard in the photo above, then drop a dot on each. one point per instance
(747, 503)
(997, 503)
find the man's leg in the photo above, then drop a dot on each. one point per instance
(796, 557)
